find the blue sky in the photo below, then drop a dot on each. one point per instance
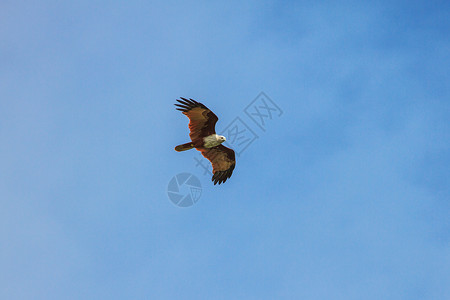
(344, 196)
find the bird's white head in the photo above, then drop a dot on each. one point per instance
(221, 138)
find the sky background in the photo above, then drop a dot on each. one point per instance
(344, 196)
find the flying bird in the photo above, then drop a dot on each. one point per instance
(202, 122)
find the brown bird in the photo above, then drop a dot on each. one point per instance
(202, 122)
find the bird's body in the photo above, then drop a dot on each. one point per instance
(203, 136)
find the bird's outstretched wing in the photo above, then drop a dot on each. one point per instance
(202, 120)
(223, 162)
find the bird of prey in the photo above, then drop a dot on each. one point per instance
(202, 122)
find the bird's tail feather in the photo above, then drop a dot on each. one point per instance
(184, 147)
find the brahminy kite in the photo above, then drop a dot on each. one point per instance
(202, 122)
